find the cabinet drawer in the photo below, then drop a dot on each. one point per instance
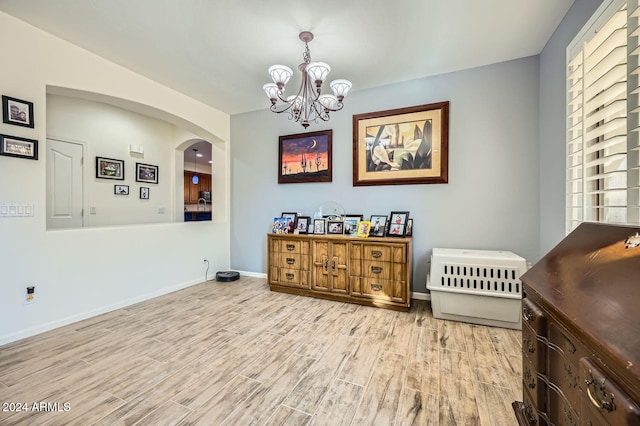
(566, 377)
(383, 270)
(560, 411)
(533, 349)
(293, 277)
(382, 289)
(533, 316)
(567, 344)
(604, 400)
(290, 246)
(294, 261)
(381, 253)
(531, 384)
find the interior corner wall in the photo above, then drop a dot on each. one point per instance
(553, 123)
(490, 202)
(78, 273)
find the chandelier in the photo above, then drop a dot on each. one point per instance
(309, 104)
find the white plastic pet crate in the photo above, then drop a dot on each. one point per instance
(477, 286)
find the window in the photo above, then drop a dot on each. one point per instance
(603, 146)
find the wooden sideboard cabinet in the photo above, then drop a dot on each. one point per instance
(368, 271)
(581, 331)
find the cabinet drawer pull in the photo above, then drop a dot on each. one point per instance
(290, 260)
(527, 313)
(529, 345)
(289, 276)
(529, 379)
(376, 287)
(376, 269)
(291, 247)
(598, 394)
(376, 254)
(325, 264)
(568, 344)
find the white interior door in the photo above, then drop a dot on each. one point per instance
(64, 184)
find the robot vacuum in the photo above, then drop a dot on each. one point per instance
(227, 276)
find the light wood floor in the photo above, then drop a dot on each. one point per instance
(238, 354)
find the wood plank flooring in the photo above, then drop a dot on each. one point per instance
(238, 354)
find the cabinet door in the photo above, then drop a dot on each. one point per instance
(330, 267)
(339, 268)
(321, 275)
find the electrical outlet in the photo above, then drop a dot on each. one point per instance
(29, 295)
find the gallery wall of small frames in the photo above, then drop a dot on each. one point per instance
(396, 224)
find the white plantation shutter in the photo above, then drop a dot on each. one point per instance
(603, 146)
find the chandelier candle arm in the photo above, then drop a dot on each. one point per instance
(309, 104)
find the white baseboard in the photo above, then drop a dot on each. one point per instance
(22, 334)
(420, 296)
(252, 274)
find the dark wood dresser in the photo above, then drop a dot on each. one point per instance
(581, 331)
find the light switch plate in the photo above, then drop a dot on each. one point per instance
(16, 210)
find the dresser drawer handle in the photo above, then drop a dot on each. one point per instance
(376, 269)
(529, 345)
(376, 254)
(290, 261)
(527, 314)
(569, 345)
(289, 276)
(376, 287)
(598, 394)
(571, 379)
(529, 379)
(291, 247)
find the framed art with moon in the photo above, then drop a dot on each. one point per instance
(305, 157)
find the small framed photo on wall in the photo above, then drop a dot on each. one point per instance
(144, 193)
(17, 112)
(121, 189)
(146, 173)
(13, 146)
(109, 168)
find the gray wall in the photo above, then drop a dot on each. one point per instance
(490, 202)
(553, 123)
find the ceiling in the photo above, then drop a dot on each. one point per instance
(219, 51)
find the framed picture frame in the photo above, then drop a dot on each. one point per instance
(351, 225)
(335, 227)
(364, 228)
(409, 232)
(291, 218)
(280, 225)
(398, 224)
(121, 189)
(402, 146)
(305, 157)
(13, 146)
(302, 224)
(147, 173)
(378, 225)
(319, 226)
(17, 112)
(144, 193)
(109, 168)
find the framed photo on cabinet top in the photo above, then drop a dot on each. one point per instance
(335, 227)
(401, 146)
(319, 226)
(302, 224)
(378, 225)
(305, 157)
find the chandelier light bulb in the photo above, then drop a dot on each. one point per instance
(318, 72)
(271, 89)
(280, 74)
(340, 88)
